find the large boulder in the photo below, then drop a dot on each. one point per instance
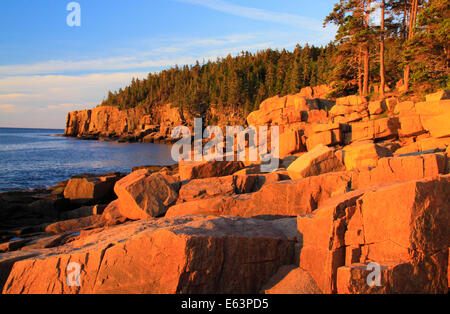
(410, 125)
(323, 133)
(402, 227)
(363, 154)
(438, 125)
(319, 160)
(206, 255)
(290, 142)
(434, 116)
(143, 195)
(378, 129)
(321, 238)
(206, 169)
(91, 189)
(210, 187)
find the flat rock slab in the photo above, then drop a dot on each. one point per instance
(179, 255)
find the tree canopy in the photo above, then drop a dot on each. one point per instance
(409, 44)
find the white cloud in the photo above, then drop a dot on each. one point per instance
(105, 64)
(294, 20)
(168, 53)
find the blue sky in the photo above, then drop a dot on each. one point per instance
(48, 68)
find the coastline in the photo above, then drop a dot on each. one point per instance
(347, 178)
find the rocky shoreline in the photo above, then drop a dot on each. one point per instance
(359, 182)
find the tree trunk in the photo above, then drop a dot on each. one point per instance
(366, 70)
(411, 27)
(366, 53)
(360, 72)
(382, 74)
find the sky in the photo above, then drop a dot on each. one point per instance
(48, 68)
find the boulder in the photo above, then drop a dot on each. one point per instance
(316, 116)
(211, 187)
(113, 214)
(77, 224)
(191, 255)
(340, 110)
(352, 100)
(297, 102)
(323, 133)
(438, 125)
(363, 154)
(410, 125)
(203, 169)
(440, 95)
(377, 107)
(403, 227)
(373, 130)
(431, 108)
(285, 198)
(90, 189)
(353, 117)
(290, 142)
(401, 169)
(321, 239)
(429, 144)
(319, 160)
(412, 240)
(143, 195)
(405, 107)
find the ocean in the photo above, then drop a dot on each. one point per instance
(36, 158)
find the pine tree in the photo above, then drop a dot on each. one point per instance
(428, 50)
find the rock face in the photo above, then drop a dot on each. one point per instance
(390, 226)
(317, 161)
(104, 120)
(143, 195)
(136, 124)
(189, 255)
